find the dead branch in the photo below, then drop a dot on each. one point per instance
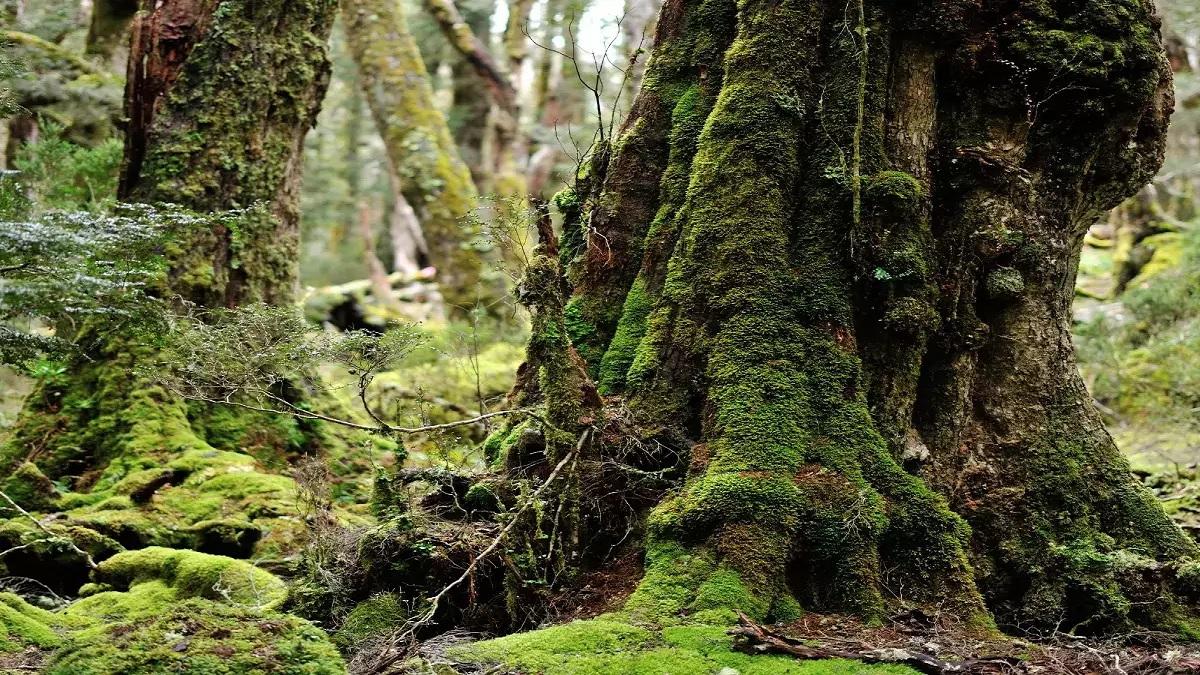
(407, 636)
(752, 638)
(87, 557)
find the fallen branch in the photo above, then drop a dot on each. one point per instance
(752, 638)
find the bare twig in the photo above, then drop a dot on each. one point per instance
(408, 634)
(57, 537)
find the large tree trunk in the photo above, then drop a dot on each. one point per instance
(858, 228)
(419, 146)
(218, 107)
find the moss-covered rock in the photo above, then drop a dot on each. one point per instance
(199, 637)
(189, 574)
(30, 489)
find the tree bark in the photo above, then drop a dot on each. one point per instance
(419, 146)
(220, 94)
(858, 228)
(218, 107)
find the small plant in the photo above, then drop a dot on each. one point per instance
(61, 175)
(63, 270)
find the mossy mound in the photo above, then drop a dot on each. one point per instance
(157, 610)
(376, 616)
(212, 501)
(188, 574)
(611, 644)
(198, 636)
(23, 626)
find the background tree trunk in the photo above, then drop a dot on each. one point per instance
(108, 31)
(419, 146)
(857, 262)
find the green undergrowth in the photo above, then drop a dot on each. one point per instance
(613, 644)
(460, 371)
(1138, 353)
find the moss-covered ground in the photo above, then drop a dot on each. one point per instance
(159, 610)
(612, 644)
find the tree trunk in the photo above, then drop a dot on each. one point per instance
(637, 32)
(859, 227)
(218, 108)
(418, 142)
(109, 28)
(500, 142)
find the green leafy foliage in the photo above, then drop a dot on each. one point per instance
(66, 175)
(63, 269)
(259, 350)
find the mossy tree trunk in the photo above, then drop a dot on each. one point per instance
(433, 177)
(220, 94)
(858, 228)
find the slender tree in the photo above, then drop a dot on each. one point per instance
(422, 152)
(858, 227)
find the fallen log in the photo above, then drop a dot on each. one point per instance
(353, 306)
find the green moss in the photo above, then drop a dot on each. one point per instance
(892, 193)
(623, 348)
(797, 476)
(1095, 549)
(29, 488)
(582, 333)
(22, 625)
(371, 618)
(610, 644)
(673, 573)
(199, 637)
(571, 205)
(911, 316)
(189, 574)
(502, 441)
(1004, 284)
(482, 497)
(648, 176)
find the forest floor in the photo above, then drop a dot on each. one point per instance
(463, 370)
